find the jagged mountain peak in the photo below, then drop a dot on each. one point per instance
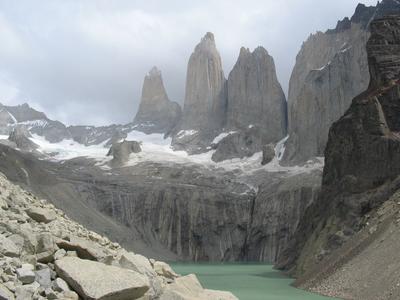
(259, 51)
(154, 72)
(207, 44)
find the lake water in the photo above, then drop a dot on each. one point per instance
(246, 281)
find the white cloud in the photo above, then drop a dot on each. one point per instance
(84, 61)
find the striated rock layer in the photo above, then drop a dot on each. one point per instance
(156, 113)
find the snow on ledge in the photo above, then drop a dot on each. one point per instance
(221, 136)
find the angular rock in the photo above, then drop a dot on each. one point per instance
(43, 277)
(5, 293)
(46, 248)
(100, 281)
(25, 275)
(121, 151)
(26, 291)
(164, 269)
(138, 263)
(41, 215)
(8, 247)
(268, 152)
(156, 113)
(189, 288)
(85, 249)
(59, 285)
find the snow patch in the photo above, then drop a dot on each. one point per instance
(221, 136)
(323, 67)
(69, 149)
(35, 123)
(184, 133)
(14, 120)
(280, 148)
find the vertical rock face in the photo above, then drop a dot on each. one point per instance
(255, 96)
(205, 97)
(362, 157)
(156, 112)
(331, 69)
(364, 145)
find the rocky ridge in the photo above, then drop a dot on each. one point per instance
(46, 255)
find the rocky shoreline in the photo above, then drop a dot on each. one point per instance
(46, 255)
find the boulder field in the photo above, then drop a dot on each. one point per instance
(46, 255)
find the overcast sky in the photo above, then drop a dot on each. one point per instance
(83, 62)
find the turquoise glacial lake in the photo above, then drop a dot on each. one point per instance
(246, 281)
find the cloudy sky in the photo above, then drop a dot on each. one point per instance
(83, 62)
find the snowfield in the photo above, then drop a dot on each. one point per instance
(157, 149)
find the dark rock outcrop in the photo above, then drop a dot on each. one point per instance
(362, 158)
(121, 151)
(364, 145)
(268, 154)
(255, 97)
(156, 113)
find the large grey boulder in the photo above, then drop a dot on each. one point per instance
(189, 288)
(99, 281)
(156, 113)
(255, 97)
(121, 152)
(8, 247)
(84, 248)
(41, 215)
(205, 97)
(5, 293)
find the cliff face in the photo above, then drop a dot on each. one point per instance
(255, 96)
(156, 113)
(364, 145)
(205, 96)
(277, 211)
(362, 159)
(331, 69)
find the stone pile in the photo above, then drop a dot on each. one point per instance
(46, 255)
